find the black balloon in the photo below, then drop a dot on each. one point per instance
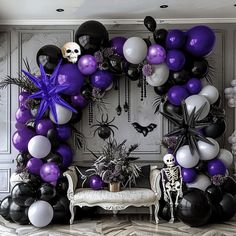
(162, 90)
(5, 207)
(150, 23)
(179, 77)
(49, 56)
(229, 186)
(201, 166)
(55, 157)
(22, 158)
(61, 209)
(164, 211)
(216, 129)
(160, 36)
(52, 135)
(91, 35)
(62, 186)
(228, 205)
(19, 214)
(35, 180)
(169, 108)
(76, 117)
(23, 194)
(199, 68)
(194, 209)
(133, 72)
(216, 213)
(86, 91)
(46, 192)
(214, 193)
(148, 42)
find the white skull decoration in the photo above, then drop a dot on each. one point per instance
(71, 51)
(169, 160)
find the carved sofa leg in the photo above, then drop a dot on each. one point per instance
(72, 213)
(156, 212)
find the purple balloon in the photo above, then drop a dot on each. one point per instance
(177, 94)
(66, 153)
(101, 79)
(200, 40)
(175, 39)
(49, 172)
(64, 132)
(23, 115)
(156, 54)
(19, 125)
(87, 64)
(117, 44)
(70, 76)
(23, 97)
(33, 165)
(95, 182)
(43, 126)
(21, 138)
(216, 167)
(194, 86)
(79, 101)
(175, 60)
(188, 174)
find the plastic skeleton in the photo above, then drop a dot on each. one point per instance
(171, 182)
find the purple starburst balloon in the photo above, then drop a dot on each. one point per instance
(48, 92)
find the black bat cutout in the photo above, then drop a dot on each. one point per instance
(144, 130)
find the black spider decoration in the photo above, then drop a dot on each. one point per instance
(104, 127)
(187, 128)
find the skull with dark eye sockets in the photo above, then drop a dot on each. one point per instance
(71, 51)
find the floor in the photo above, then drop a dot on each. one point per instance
(120, 225)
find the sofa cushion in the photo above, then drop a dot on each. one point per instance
(132, 196)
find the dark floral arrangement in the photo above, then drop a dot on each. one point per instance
(115, 164)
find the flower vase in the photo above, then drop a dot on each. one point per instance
(114, 187)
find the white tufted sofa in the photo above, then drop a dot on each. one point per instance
(114, 201)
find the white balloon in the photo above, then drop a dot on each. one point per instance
(63, 115)
(230, 95)
(135, 50)
(159, 76)
(226, 157)
(233, 82)
(185, 158)
(208, 151)
(197, 101)
(39, 146)
(201, 182)
(228, 90)
(210, 92)
(40, 213)
(231, 102)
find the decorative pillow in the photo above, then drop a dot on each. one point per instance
(143, 181)
(83, 176)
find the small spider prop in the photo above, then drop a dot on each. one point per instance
(104, 127)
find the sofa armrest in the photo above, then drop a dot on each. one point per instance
(155, 178)
(72, 178)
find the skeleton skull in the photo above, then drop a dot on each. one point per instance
(71, 51)
(169, 160)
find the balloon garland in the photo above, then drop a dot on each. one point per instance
(78, 75)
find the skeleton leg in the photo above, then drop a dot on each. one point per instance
(171, 207)
(177, 198)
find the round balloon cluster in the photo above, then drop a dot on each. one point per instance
(230, 94)
(79, 74)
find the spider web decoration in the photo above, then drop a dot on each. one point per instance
(187, 128)
(48, 92)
